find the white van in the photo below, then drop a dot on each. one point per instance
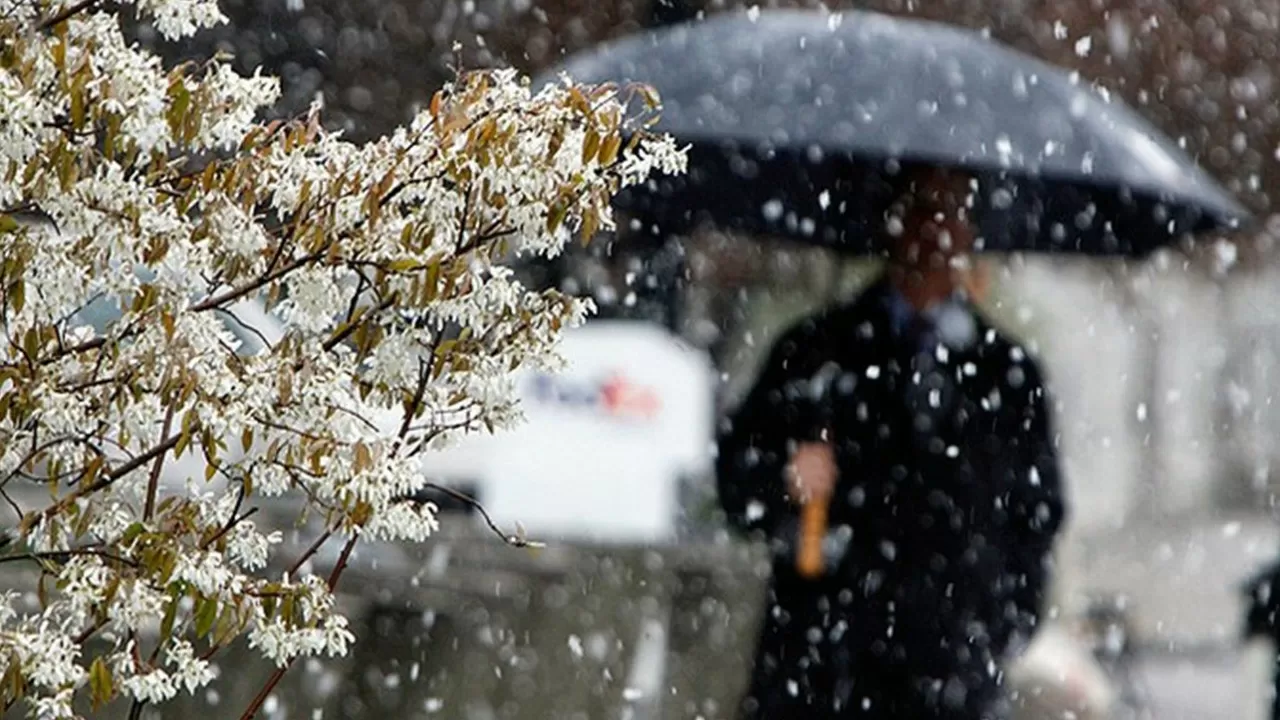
(605, 443)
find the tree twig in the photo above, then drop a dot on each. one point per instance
(234, 521)
(315, 546)
(153, 482)
(66, 14)
(424, 374)
(265, 692)
(89, 632)
(261, 698)
(46, 445)
(341, 565)
(17, 509)
(54, 555)
(115, 475)
(212, 302)
(512, 540)
(352, 326)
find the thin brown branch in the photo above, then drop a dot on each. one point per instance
(237, 293)
(85, 346)
(113, 476)
(341, 565)
(153, 482)
(351, 327)
(277, 254)
(481, 239)
(90, 384)
(16, 508)
(405, 185)
(57, 555)
(265, 692)
(90, 631)
(424, 374)
(285, 428)
(248, 328)
(231, 524)
(258, 700)
(232, 520)
(512, 540)
(67, 13)
(46, 445)
(367, 422)
(462, 222)
(315, 547)
(354, 305)
(136, 463)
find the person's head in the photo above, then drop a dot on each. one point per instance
(930, 231)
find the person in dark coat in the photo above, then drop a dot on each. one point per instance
(934, 441)
(1262, 620)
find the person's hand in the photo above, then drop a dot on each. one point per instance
(811, 472)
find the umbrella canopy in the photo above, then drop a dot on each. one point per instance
(799, 121)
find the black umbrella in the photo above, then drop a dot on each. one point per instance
(799, 122)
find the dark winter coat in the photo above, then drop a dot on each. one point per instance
(948, 499)
(1262, 619)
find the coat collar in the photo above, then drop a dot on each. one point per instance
(888, 312)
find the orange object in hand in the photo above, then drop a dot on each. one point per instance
(815, 476)
(813, 529)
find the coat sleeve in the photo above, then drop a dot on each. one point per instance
(1036, 504)
(755, 441)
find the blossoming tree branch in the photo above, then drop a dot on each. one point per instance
(160, 191)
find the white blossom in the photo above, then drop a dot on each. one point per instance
(140, 605)
(249, 548)
(190, 671)
(208, 572)
(57, 705)
(404, 521)
(154, 686)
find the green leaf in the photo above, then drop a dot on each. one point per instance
(403, 265)
(18, 293)
(609, 149)
(556, 215)
(81, 525)
(364, 458)
(170, 614)
(79, 114)
(206, 616)
(225, 629)
(14, 684)
(102, 688)
(179, 102)
(286, 610)
(432, 283)
(590, 145)
(113, 589)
